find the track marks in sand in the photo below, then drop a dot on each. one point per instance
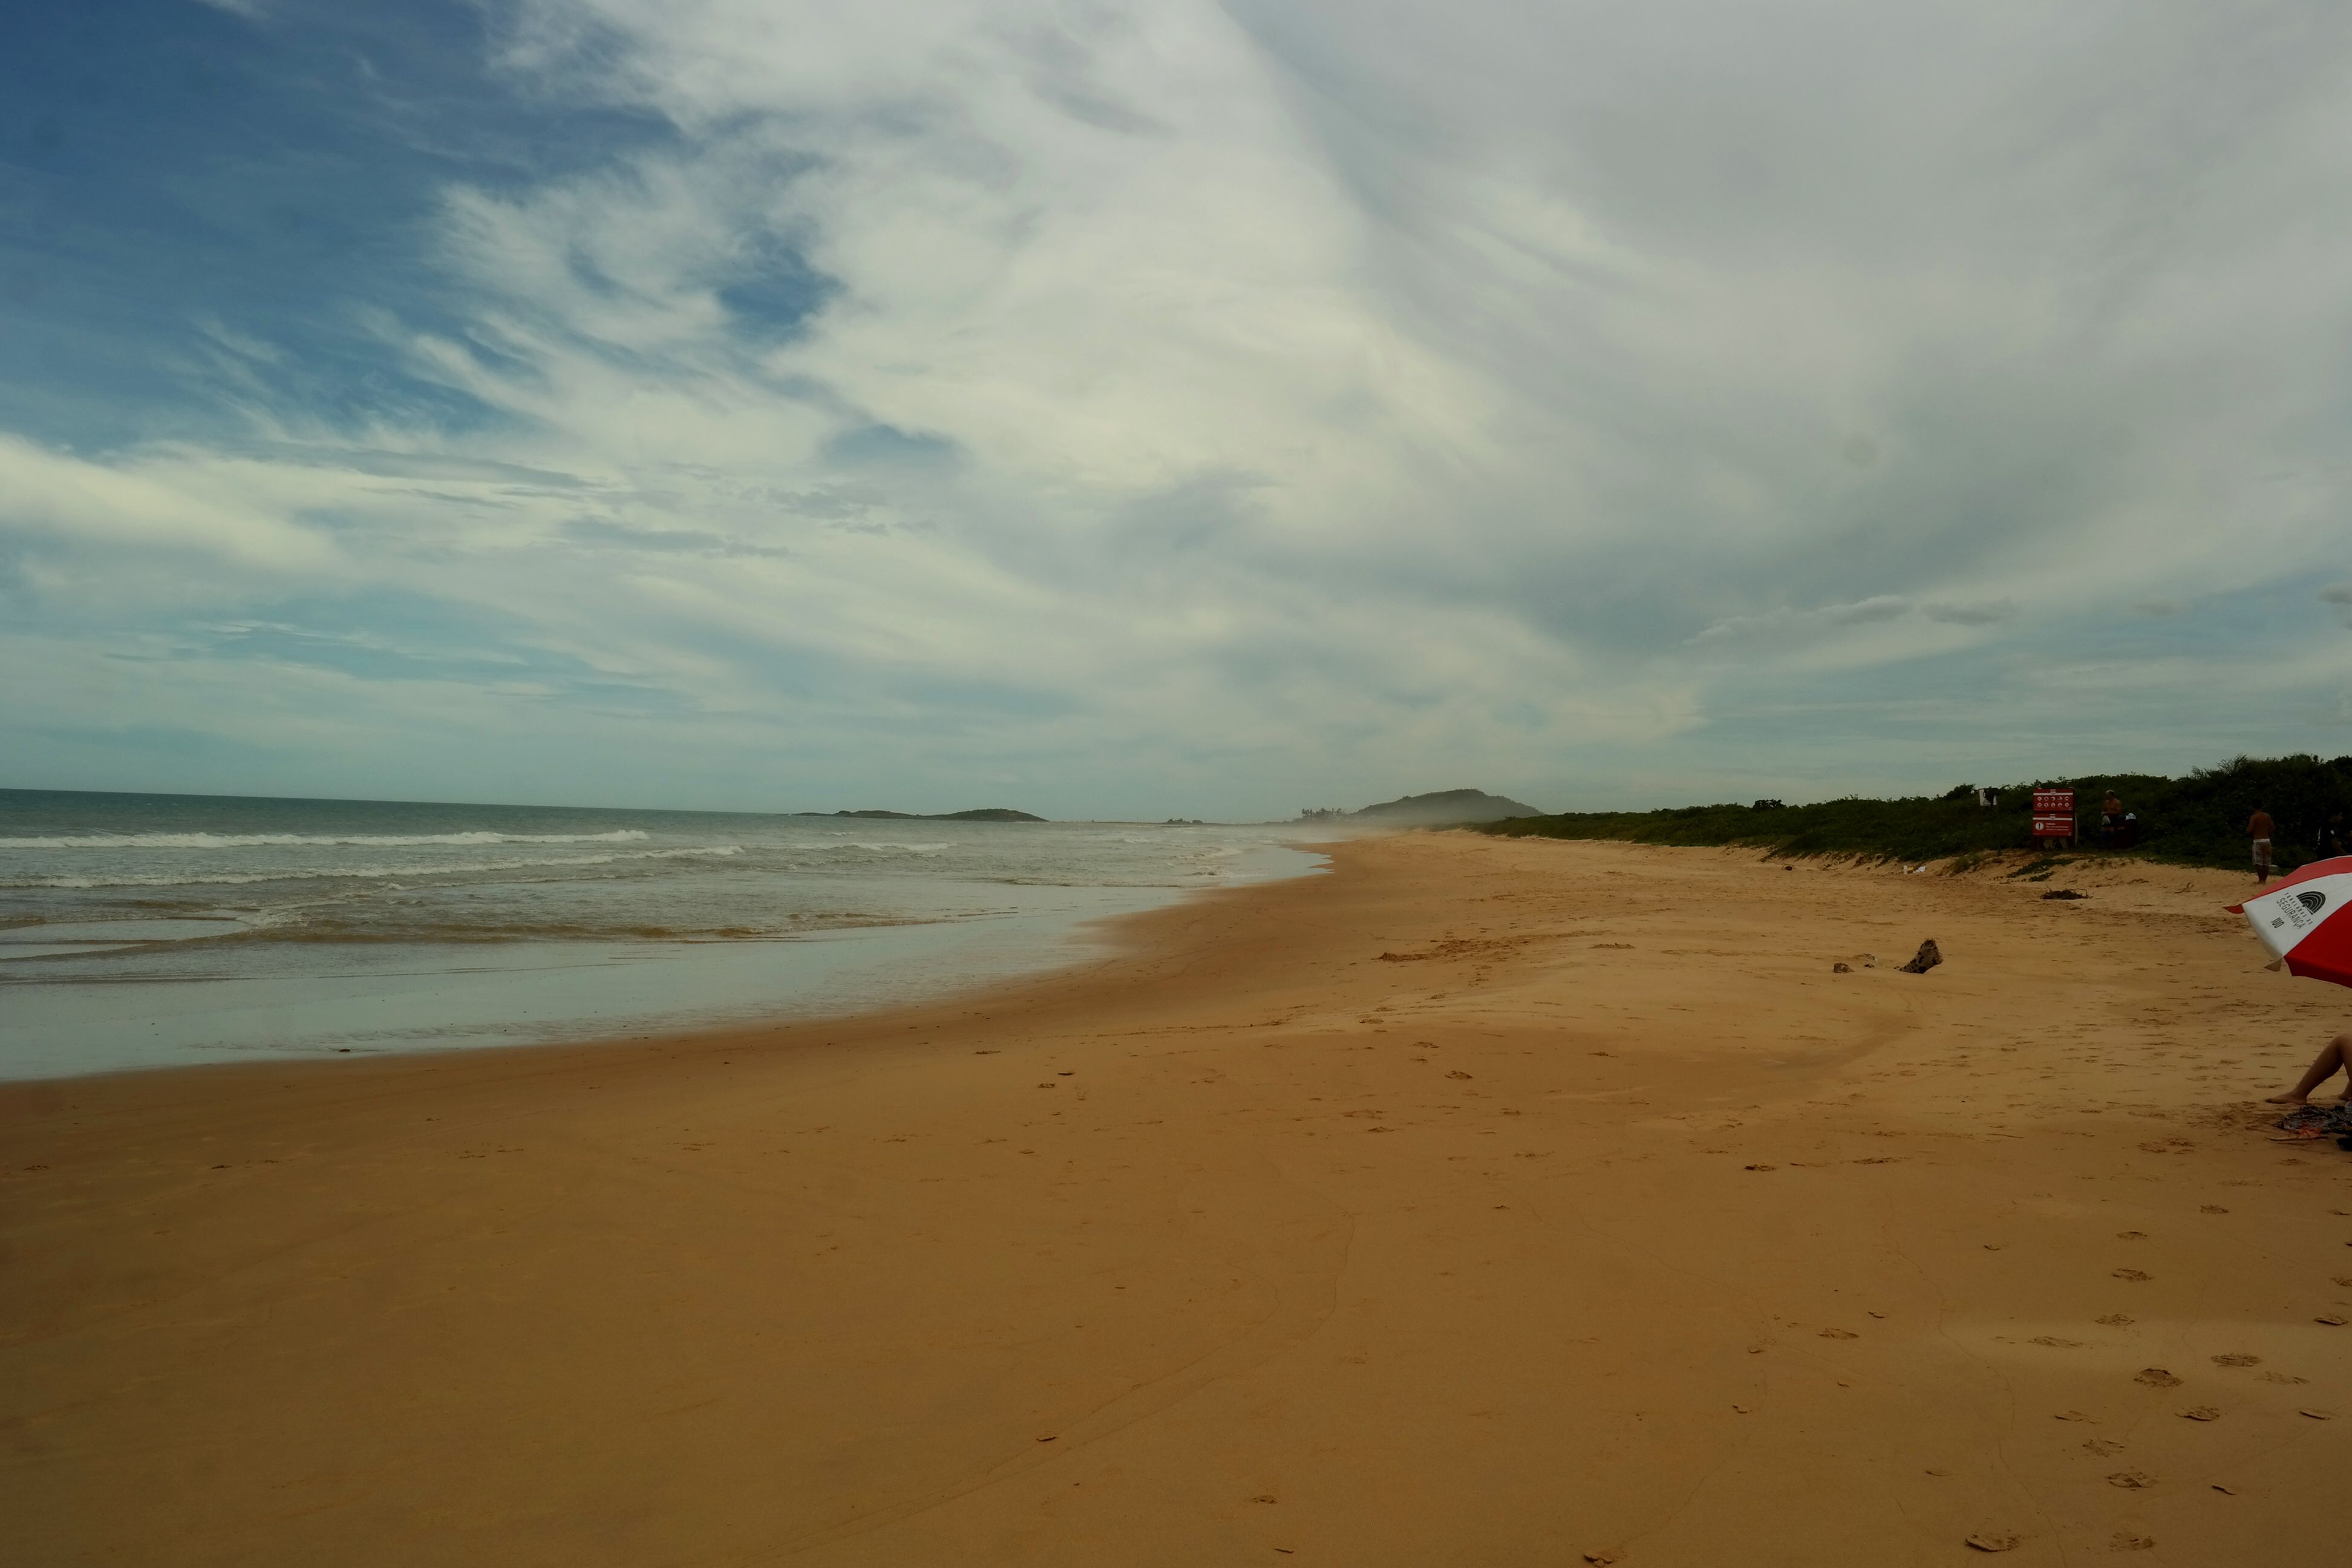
(1299, 1273)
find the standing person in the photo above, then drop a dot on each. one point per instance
(2258, 827)
(2334, 838)
(2111, 820)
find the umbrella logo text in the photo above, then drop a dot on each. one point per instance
(2314, 902)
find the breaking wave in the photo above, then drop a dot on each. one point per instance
(317, 873)
(291, 840)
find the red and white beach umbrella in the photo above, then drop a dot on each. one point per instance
(2303, 921)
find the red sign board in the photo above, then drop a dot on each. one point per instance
(2053, 814)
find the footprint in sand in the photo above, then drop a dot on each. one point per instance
(2125, 1541)
(2132, 1480)
(2199, 1412)
(2158, 1377)
(2103, 1446)
(2116, 1321)
(2237, 1358)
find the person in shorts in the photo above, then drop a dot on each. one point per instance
(2258, 827)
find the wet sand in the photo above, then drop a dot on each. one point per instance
(1480, 1203)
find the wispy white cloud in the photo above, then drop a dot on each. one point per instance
(1212, 406)
(1987, 612)
(173, 502)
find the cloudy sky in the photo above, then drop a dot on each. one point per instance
(1170, 407)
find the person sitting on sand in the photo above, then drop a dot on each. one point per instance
(2334, 1056)
(2259, 827)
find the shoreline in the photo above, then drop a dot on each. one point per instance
(1474, 1201)
(423, 998)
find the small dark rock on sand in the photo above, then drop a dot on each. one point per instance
(1841, 969)
(1927, 957)
(2065, 893)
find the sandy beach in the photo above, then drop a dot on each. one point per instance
(1481, 1202)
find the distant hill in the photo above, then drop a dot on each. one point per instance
(1443, 807)
(981, 814)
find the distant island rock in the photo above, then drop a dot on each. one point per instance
(983, 814)
(1443, 808)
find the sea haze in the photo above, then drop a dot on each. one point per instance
(149, 930)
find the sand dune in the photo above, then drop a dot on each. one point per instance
(1485, 1201)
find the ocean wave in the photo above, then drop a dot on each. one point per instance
(360, 932)
(519, 931)
(363, 873)
(290, 840)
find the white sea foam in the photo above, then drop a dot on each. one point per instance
(361, 873)
(906, 849)
(278, 840)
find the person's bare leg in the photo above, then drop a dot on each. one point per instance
(2334, 1056)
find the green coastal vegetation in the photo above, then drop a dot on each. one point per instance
(2199, 819)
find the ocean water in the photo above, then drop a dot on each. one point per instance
(150, 931)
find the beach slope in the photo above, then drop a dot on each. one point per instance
(1482, 1202)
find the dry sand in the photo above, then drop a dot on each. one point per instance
(1483, 1202)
